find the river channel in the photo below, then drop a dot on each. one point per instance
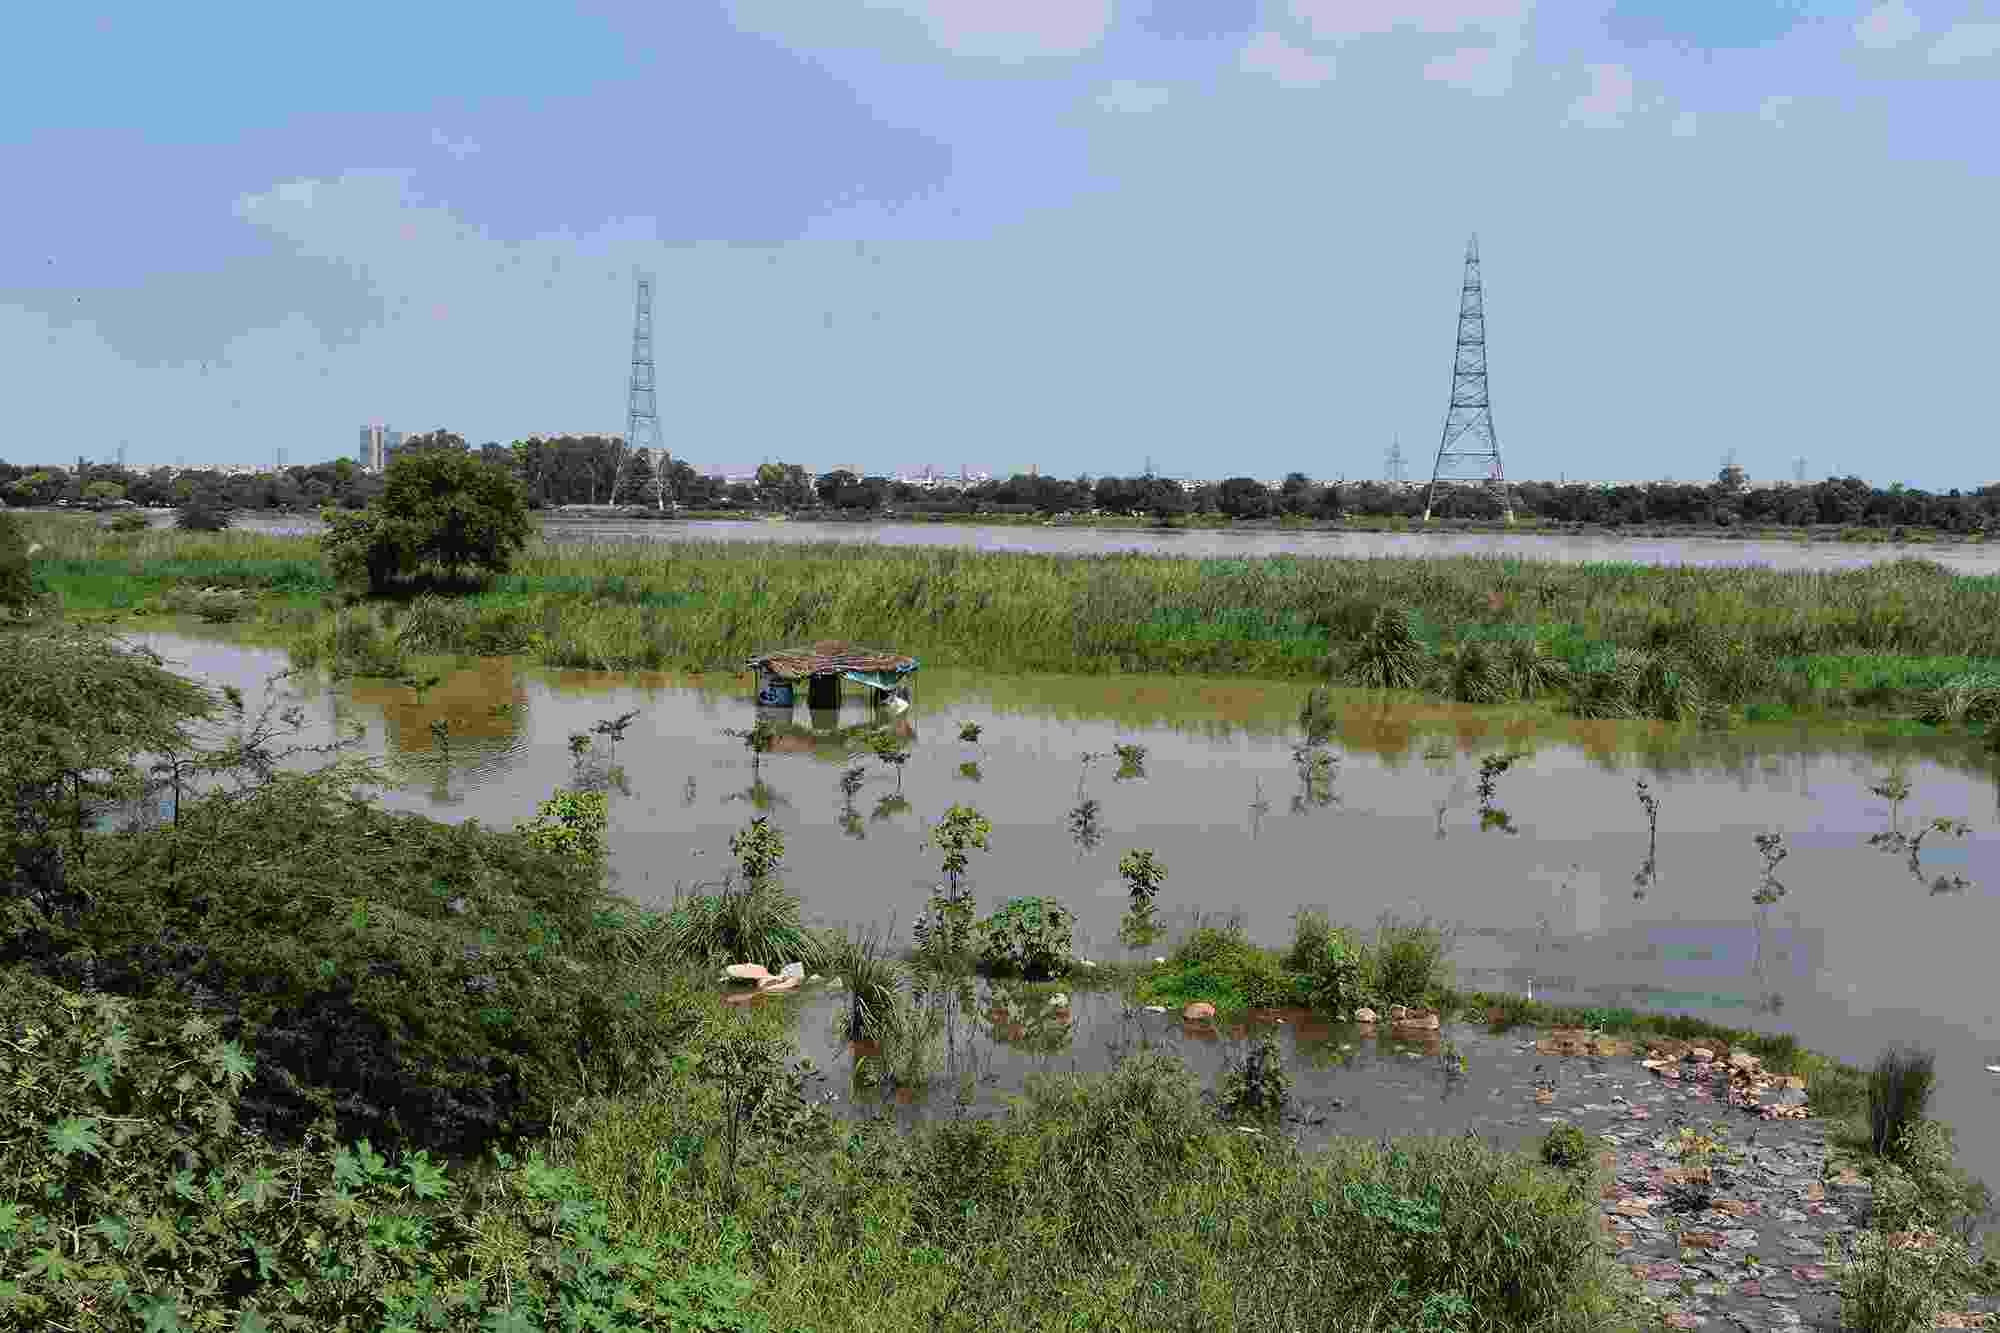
(1861, 950)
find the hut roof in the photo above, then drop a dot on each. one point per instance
(832, 657)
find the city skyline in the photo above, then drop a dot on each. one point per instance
(1079, 234)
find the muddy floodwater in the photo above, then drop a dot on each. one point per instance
(1208, 543)
(1863, 948)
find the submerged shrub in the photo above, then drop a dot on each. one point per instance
(1409, 961)
(1568, 1148)
(1257, 1084)
(1031, 936)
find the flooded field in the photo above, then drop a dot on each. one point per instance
(1871, 941)
(1208, 543)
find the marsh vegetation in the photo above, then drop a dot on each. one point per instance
(1597, 640)
(291, 1054)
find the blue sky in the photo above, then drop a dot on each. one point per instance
(1221, 234)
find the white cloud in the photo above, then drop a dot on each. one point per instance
(1486, 71)
(1609, 100)
(1008, 29)
(1966, 41)
(458, 148)
(1132, 98)
(1775, 109)
(1684, 126)
(1290, 66)
(1887, 25)
(1338, 20)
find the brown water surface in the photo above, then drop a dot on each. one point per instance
(1856, 954)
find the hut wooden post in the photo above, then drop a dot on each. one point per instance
(823, 691)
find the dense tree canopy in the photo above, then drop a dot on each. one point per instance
(439, 506)
(580, 469)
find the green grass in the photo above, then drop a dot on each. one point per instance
(1786, 643)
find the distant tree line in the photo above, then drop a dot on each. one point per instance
(581, 469)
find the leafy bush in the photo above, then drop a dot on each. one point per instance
(1335, 984)
(1257, 1084)
(1568, 1148)
(1409, 962)
(1312, 932)
(571, 823)
(1029, 936)
(1899, 1089)
(137, 1204)
(431, 986)
(1219, 964)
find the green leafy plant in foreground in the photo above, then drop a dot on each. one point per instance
(140, 1205)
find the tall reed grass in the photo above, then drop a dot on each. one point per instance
(1716, 637)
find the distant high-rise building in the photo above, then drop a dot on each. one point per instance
(378, 446)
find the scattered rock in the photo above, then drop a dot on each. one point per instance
(1199, 1009)
(748, 971)
(1364, 1015)
(770, 985)
(793, 970)
(1156, 1008)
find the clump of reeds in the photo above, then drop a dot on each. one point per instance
(1899, 1090)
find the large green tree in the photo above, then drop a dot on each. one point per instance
(438, 507)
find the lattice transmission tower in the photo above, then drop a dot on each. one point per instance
(1469, 451)
(642, 416)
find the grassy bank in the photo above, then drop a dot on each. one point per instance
(1624, 638)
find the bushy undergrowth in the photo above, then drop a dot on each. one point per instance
(1116, 1202)
(1328, 969)
(441, 986)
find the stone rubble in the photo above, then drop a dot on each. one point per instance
(1756, 1256)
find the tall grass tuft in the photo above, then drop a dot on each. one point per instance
(1899, 1089)
(1389, 655)
(750, 922)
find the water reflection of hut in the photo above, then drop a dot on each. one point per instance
(823, 666)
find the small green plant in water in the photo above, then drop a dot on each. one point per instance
(1143, 874)
(1770, 846)
(1131, 762)
(1568, 1148)
(944, 931)
(887, 747)
(1256, 1085)
(1649, 871)
(969, 732)
(1491, 767)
